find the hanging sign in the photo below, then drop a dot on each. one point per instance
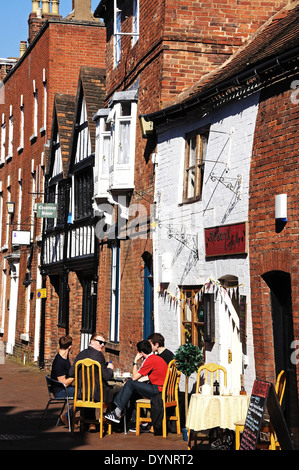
(226, 240)
(48, 211)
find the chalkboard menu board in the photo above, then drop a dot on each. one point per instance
(264, 395)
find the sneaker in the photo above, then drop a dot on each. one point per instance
(111, 416)
(145, 427)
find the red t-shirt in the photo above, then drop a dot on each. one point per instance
(155, 367)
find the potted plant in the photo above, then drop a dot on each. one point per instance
(188, 358)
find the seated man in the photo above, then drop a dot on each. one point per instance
(60, 371)
(154, 367)
(158, 347)
(95, 352)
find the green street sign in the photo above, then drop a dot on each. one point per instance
(48, 211)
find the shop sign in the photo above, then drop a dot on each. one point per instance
(226, 240)
(48, 211)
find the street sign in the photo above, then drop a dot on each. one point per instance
(41, 293)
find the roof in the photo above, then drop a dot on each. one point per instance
(277, 37)
(91, 84)
(64, 107)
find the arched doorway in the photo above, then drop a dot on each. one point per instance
(279, 283)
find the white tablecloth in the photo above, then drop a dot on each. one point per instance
(210, 411)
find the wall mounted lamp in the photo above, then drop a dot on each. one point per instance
(10, 207)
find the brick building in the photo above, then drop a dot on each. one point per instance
(154, 51)
(70, 248)
(247, 110)
(57, 48)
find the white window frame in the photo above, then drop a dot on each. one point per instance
(20, 198)
(22, 125)
(3, 139)
(122, 172)
(102, 153)
(10, 135)
(135, 19)
(117, 34)
(83, 147)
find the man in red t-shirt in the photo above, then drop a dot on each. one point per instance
(154, 367)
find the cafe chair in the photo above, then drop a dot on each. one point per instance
(213, 370)
(54, 401)
(86, 373)
(170, 399)
(267, 427)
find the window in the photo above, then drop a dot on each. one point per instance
(198, 323)
(192, 318)
(22, 123)
(88, 310)
(83, 147)
(102, 154)
(195, 154)
(117, 35)
(115, 279)
(35, 115)
(3, 139)
(135, 22)
(123, 112)
(83, 193)
(10, 135)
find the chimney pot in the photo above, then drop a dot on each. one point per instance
(35, 5)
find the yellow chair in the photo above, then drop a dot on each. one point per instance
(213, 370)
(170, 399)
(88, 370)
(266, 428)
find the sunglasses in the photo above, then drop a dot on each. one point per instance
(100, 341)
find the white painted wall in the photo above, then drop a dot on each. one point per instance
(229, 153)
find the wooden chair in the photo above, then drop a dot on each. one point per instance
(213, 370)
(88, 370)
(266, 428)
(170, 399)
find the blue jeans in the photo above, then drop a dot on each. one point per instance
(131, 388)
(62, 394)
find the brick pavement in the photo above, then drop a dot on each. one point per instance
(23, 397)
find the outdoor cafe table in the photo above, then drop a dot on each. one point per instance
(211, 411)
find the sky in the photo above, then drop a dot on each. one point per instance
(14, 16)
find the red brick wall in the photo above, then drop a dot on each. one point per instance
(61, 48)
(274, 170)
(192, 37)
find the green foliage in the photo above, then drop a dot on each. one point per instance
(188, 358)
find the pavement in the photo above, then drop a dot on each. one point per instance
(23, 398)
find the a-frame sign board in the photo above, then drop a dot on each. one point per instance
(263, 394)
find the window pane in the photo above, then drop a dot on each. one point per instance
(106, 153)
(124, 143)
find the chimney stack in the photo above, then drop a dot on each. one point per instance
(39, 15)
(81, 10)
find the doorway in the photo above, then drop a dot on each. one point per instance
(279, 283)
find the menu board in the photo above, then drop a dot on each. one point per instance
(263, 394)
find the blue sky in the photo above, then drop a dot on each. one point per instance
(14, 16)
